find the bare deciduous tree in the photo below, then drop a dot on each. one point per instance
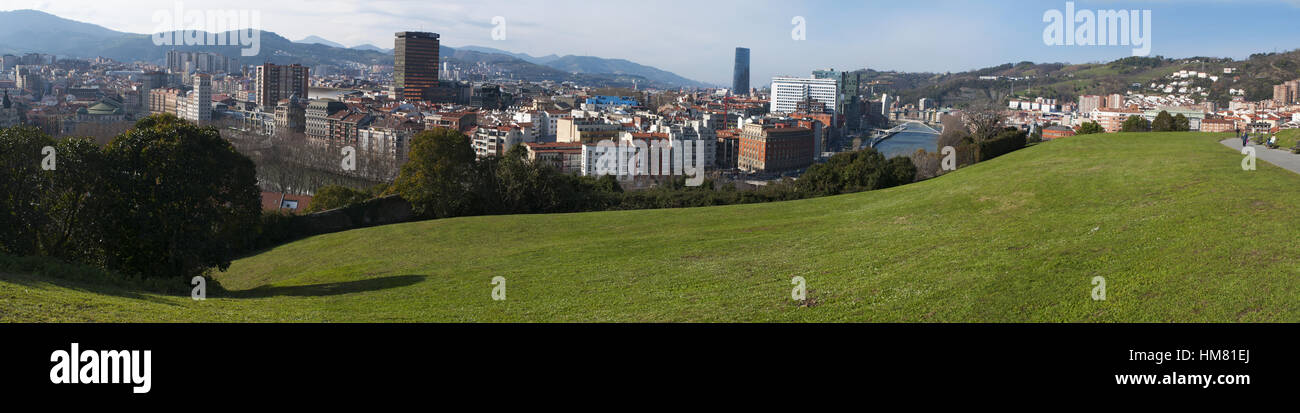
(984, 121)
(290, 162)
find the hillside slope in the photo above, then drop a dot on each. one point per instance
(1171, 221)
(1255, 75)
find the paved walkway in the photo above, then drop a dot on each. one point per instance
(1282, 158)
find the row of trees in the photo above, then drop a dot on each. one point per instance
(1089, 128)
(165, 198)
(443, 179)
(1162, 123)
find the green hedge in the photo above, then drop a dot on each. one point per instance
(1009, 140)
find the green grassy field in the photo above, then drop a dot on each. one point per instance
(1177, 229)
(1287, 138)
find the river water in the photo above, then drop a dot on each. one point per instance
(914, 136)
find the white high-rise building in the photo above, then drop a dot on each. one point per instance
(787, 92)
(199, 108)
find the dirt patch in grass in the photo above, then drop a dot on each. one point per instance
(811, 299)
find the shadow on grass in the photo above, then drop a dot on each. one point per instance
(328, 289)
(109, 287)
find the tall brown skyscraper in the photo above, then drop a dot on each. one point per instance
(275, 82)
(415, 66)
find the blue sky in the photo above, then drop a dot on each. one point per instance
(696, 38)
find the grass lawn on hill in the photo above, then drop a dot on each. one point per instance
(1177, 229)
(1287, 138)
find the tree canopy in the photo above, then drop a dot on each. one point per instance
(1163, 122)
(166, 198)
(440, 179)
(1088, 128)
(1136, 123)
(180, 199)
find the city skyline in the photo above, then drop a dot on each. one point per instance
(956, 39)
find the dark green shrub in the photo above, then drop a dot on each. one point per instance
(1007, 141)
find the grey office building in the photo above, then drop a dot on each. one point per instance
(740, 79)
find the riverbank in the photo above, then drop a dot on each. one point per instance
(915, 135)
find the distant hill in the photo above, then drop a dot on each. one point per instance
(520, 69)
(25, 31)
(319, 40)
(1256, 75)
(598, 65)
(590, 64)
(372, 48)
(35, 21)
(522, 56)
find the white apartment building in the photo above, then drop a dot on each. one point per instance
(787, 92)
(1112, 119)
(685, 145)
(699, 135)
(1087, 103)
(392, 142)
(585, 129)
(496, 140)
(549, 122)
(596, 159)
(198, 105)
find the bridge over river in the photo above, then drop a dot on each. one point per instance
(904, 139)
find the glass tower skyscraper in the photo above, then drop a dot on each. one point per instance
(740, 78)
(415, 64)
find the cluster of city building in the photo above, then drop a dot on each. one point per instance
(1181, 93)
(378, 109)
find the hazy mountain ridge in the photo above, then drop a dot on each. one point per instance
(319, 40)
(25, 31)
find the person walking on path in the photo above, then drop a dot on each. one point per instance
(1245, 139)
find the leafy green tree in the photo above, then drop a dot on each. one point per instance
(855, 171)
(900, 170)
(22, 183)
(1088, 128)
(182, 200)
(48, 212)
(1181, 123)
(1136, 123)
(74, 202)
(609, 184)
(441, 178)
(520, 185)
(1163, 122)
(336, 196)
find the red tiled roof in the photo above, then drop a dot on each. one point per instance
(271, 201)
